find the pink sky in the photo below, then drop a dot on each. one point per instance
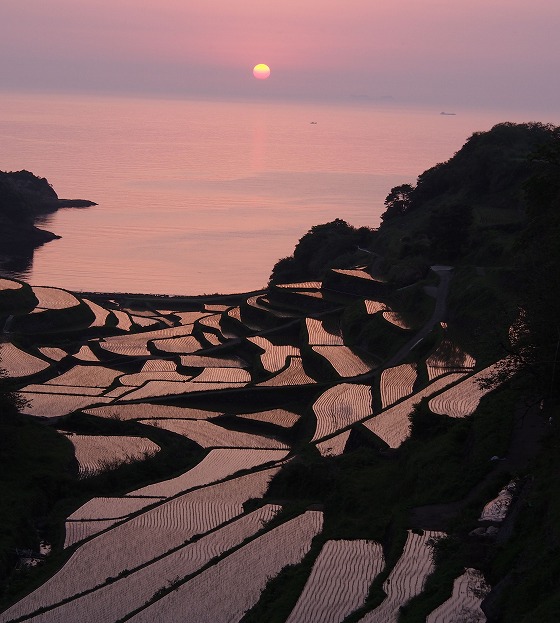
(492, 53)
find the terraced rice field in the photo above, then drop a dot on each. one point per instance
(396, 319)
(339, 581)
(279, 417)
(213, 339)
(190, 317)
(216, 465)
(86, 354)
(56, 354)
(407, 578)
(209, 435)
(77, 531)
(155, 389)
(345, 362)
(304, 285)
(396, 383)
(101, 314)
(393, 424)
(464, 604)
(334, 446)
(124, 321)
(448, 357)
(293, 375)
(142, 411)
(18, 363)
(136, 344)
(8, 284)
(86, 376)
(319, 336)
(139, 378)
(340, 407)
(212, 321)
(97, 453)
(241, 576)
(99, 514)
(54, 298)
(274, 357)
(56, 405)
(223, 375)
(159, 365)
(142, 538)
(204, 361)
(185, 344)
(354, 272)
(64, 389)
(462, 400)
(372, 307)
(106, 604)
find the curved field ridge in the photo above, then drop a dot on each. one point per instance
(241, 576)
(407, 578)
(145, 410)
(393, 424)
(339, 581)
(341, 406)
(279, 417)
(108, 508)
(448, 357)
(97, 453)
(136, 344)
(209, 435)
(462, 399)
(294, 374)
(396, 383)
(216, 465)
(77, 531)
(18, 363)
(354, 272)
(139, 540)
(319, 336)
(117, 599)
(334, 446)
(464, 604)
(345, 362)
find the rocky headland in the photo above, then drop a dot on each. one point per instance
(25, 202)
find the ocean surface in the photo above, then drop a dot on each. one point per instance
(201, 197)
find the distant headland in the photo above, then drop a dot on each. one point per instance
(25, 199)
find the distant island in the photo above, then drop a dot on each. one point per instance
(25, 200)
(383, 418)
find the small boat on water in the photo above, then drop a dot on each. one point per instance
(447, 113)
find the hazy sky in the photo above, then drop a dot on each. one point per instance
(447, 53)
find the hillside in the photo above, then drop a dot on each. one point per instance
(383, 419)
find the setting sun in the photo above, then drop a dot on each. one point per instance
(261, 71)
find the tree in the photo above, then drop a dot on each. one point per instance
(398, 201)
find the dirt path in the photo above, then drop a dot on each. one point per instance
(438, 315)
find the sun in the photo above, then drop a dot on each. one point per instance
(261, 71)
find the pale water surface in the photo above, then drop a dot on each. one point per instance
(204, 196)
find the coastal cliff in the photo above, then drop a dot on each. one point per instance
(25, 201)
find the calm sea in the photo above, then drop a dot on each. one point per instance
(204, 196)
